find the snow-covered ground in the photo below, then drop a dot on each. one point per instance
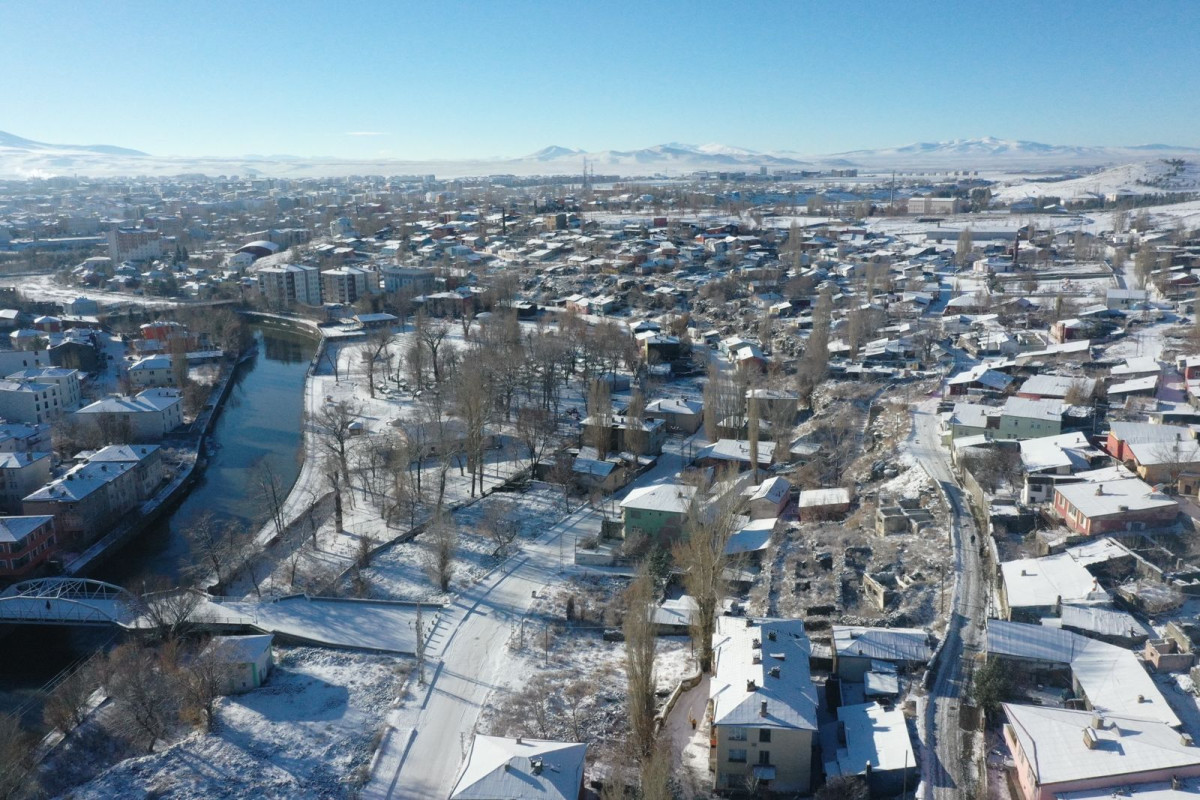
(308, 733)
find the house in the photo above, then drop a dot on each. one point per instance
(1105, 678)
(774, 404)
(642, 437)
(679, 414)
(657, 511)
(592, 474)
(768, 499)
(751, 538)
(1113, 506)
(1124, 299)
(1022, 418)
(855, 647)
(1056, 751)
(817, 504)
(244, 661)
(734, 451)
(20, 474)
(1056, 387)
(978, 378)
(762, 705)
(1165, 462)
(1051, 460)
(146, 417)
(25, 544)
(1121, 435)
(871, 741)
(151, 371)
(497, 768)
(1033, 588)
(19, 437)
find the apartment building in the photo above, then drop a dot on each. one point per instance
(290, 284)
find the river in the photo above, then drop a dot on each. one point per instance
(259, 425)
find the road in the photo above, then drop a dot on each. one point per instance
(468, 656)
(943, 769)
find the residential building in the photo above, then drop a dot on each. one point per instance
(818, 504)
(872, 742)
(20, 437)
(151, 371)
(29, 402)
(67, 381)
(855, 647)
(146, 417)
(1057, 750)
(734, 451)
(498, 768)
(94, 494)
(20, 474)
(657, 511)
(134, 244)
(1113, 506)
(641, 437)
(762, 705)
(680, 414)
(407, 280)
(345, 285)
(289, 284)
(25, 544)
(769, 498)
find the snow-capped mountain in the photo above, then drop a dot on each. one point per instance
(8, 140)
(23, 158)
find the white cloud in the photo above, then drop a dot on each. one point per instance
(366, 133)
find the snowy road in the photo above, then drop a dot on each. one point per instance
(943, 765)
(468, 655)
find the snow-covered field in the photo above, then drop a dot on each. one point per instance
(308, 733)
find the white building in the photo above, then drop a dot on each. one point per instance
(411, 280)
(26, 401)
(20, 474)
(289, 284)
(521, 769)
(67, 381)
(345, 285)
(151, 414)
(134, 244)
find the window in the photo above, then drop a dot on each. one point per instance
(737, 756)
(764, 734)
(764, 758)
(737, 734)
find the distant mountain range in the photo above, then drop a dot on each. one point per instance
(19, 143)
(23, 158)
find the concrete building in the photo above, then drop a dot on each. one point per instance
(20, 474)
(94, 494)
(1128, 504)
(762, 705)
(679, 414)
(345, 285)
(245, 661)
(67, 381)
(25, 544)
(855, 647)
(29, 402)
(497, 768)
(151, 371)
(150, 415)
(872, 742)
(1057, 750)
(408, 280)
(134, 244)
(658, 511)
(287, 285)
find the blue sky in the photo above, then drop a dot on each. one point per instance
(457, 80)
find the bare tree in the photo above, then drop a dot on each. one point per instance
(271, 494)
(16, 750)
(213, 547)
(752, 405)
(334, 425)
(701, 556)
(500, 523)
(432, 336)
(473, 402)
(962, 253)
(443, 537)
(599, 409)
(201, 679)
(636, 434)
(169, 610)
(333, 475)
(376, 355)
(66, 706)
(639, 661)
(535, 429)
(144, 692)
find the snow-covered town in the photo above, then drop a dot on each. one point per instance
(659, 472)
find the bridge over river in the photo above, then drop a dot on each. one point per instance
(375, 625)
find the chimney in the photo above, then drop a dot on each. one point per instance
(1185, 739)
(762, 709)
(1097, 722)
(751, 686)
(1141, 698)
(756, 644)
(749, 622)
(1089, 739)
(535, 766)
(774, 672)
(1099, 489)
(519, 740)
(771, 635)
